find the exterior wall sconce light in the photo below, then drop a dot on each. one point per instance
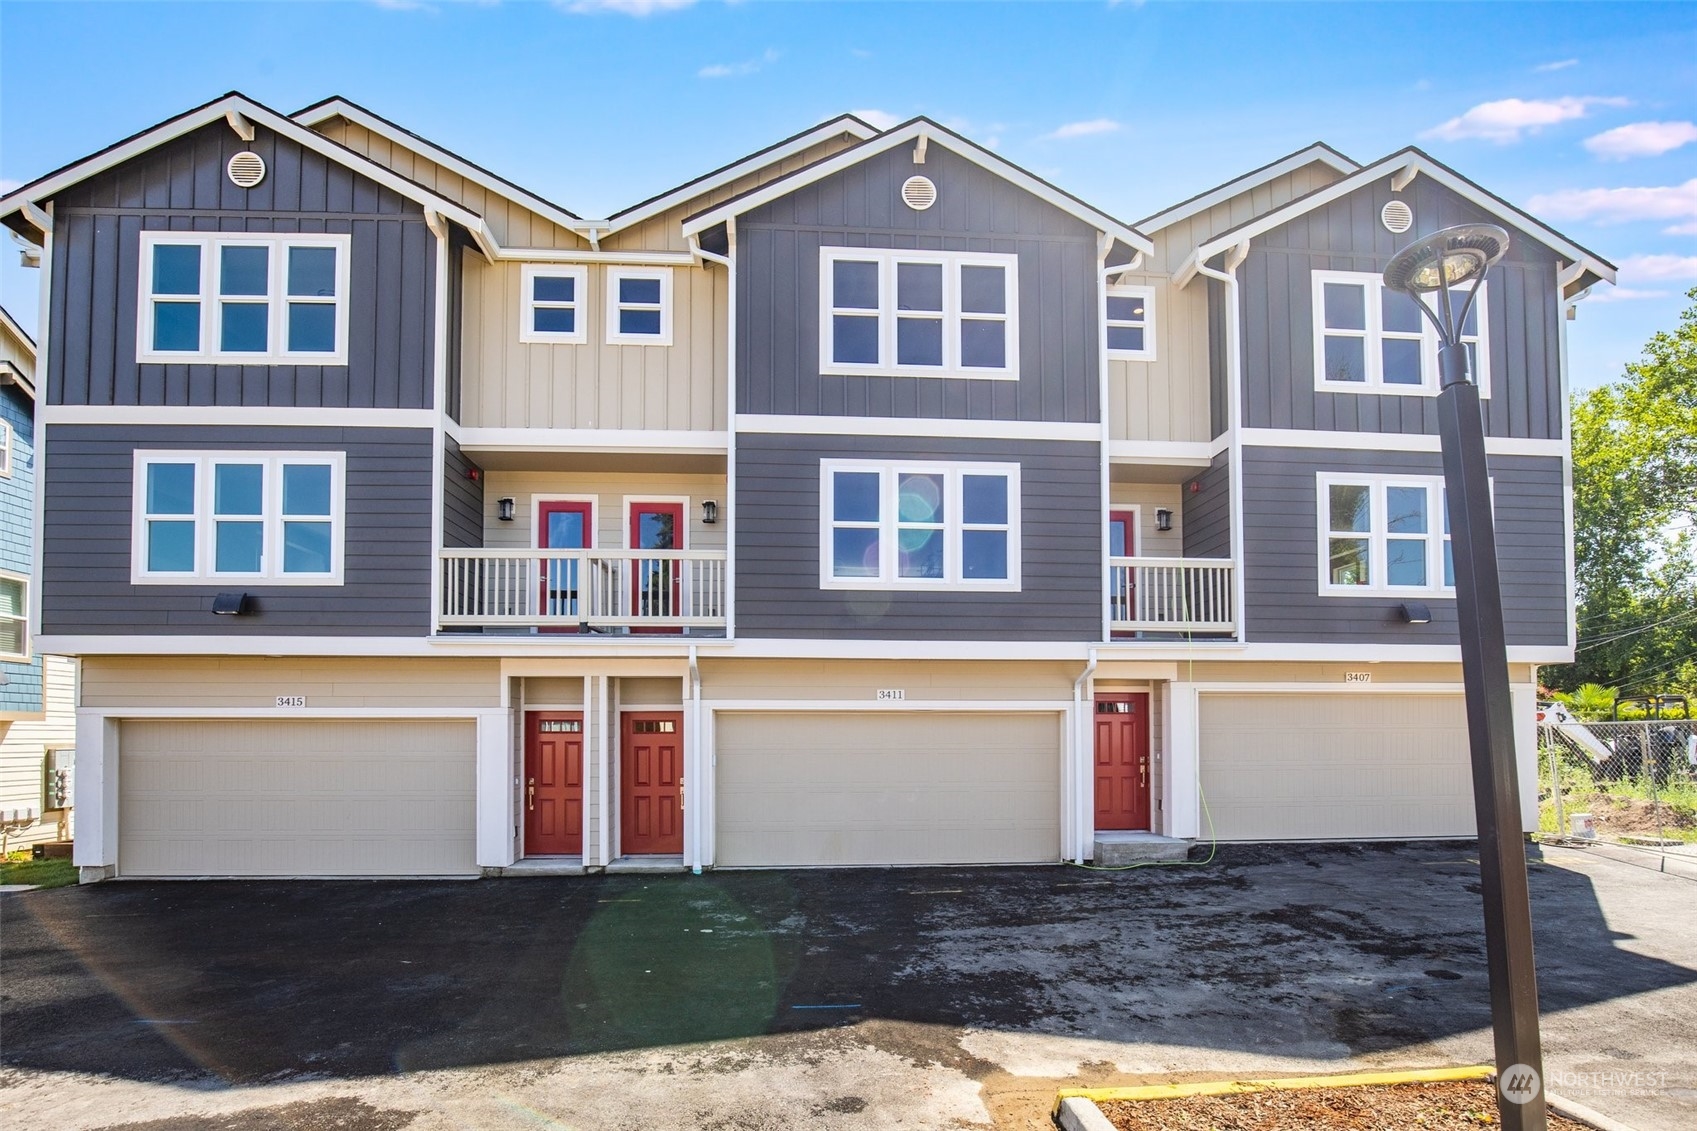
(230, 604)
(504, 510)
(1447, 267)
(1163, 518)
(709, 512)
(1415, 612)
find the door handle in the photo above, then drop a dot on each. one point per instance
(530, 794)
(1143, 773)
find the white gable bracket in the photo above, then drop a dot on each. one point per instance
(1404, 176)
(33, 211)
(919, 148)
(239, 123)
(437, 225)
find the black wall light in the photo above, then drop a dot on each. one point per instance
(230, 604)
(709, 512)
(504, 510)
(1414, 612)
(1163, 518)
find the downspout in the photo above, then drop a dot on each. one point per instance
(1234, 419)
(1104, 394)
(43, 220)
(1080, 732)
(729, 264)
(606, 744)
(699, 769)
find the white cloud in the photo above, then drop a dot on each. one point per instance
(735, 70)
(878, 119)
(622, 7)
(1623, 205)
(1641, 139)
(1505, 120)
(1623, 294)
(1661, 268)
(1558, 65)
(1084, 129)
(7, 184)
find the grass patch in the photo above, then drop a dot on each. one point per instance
(18, 868)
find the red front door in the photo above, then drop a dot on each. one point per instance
(1122, 761)
(656, 583)
(1122, 543)
(651, 784)
(563, 525)
(553, 783)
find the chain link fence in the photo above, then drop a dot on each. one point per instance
(1628, 783)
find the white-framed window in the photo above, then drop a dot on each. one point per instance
(1131, 323)
(915, 524)
(918, 313)
(243, 299)
(275, 517)
(1383, 534)
(6, 449)
(1369, 338)
(639, 306)
(14, 616)
(553, 304)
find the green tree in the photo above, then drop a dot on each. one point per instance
(1634, 511)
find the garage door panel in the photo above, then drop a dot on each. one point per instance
(297, 798)
(1335, 766)
(897, 788)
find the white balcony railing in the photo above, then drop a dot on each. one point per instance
(1170, 595)
(668, 590)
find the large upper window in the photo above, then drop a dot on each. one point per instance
(1369, 338)
(639, 306)
(238, 515)
(919, 525)
(918, 313)
(243, 299)
(1384, 535)
(552, 304)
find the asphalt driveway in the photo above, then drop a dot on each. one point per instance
(833, 999)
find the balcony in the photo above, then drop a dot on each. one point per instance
(1180, 595)
(587, 591)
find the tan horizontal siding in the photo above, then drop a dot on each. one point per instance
(848, 680)
(610, 492)
(193, 682)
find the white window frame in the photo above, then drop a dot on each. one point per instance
(889, 473)
(886, 313)
(614, 306)
(8, 449)
(276, 299)
(22, 618)
(528, 304)
(1378, 536)
(271, 558)
(1375, 335)
(1147, 294)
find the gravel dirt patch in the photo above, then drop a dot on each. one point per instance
(1447, 1106)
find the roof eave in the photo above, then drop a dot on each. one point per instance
(1318, 153)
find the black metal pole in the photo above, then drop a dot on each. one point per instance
(1490, 732)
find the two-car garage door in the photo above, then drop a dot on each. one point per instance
(307, 797)
(819, 788)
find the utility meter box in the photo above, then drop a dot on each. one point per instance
(58, 780)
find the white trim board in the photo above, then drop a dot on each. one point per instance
(932, 134)
(1392, 442)
(928, 427)
(1197, 453)
(650, 441)
(238, 416)
(1317, 153)
(269, 714)
(905, 706)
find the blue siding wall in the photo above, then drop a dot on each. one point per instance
(20, 684)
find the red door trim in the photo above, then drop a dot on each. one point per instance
(642, 598)
(561, 594)
(1123, 607)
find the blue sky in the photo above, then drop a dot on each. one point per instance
(1582, 112)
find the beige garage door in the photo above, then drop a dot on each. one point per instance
(1335, 766)
(377, 797)
(900, 788)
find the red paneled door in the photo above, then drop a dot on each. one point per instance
(1123, 776)
(656, 583)
(553, 783)
(563, 525)
(651, 784)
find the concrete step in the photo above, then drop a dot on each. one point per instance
(1114, 849)
(646, 865)
(540, 866)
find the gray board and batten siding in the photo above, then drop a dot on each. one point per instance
(1281, 533)
(778, 293)
(182, 186)
(1346, 235)
(777, 546)
(389, 546)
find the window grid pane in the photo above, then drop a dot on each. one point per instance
(245, 509)
(245, 280)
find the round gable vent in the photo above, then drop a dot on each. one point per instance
(918, 193)
(1396, 217)
(246, 168)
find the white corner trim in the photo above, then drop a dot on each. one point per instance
(1392, 442)
(929, 427)
(238, 416)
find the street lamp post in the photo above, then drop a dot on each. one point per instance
(1449, 266)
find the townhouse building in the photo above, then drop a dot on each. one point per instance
(866, 501)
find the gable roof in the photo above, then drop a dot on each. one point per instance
(842, 124)
(910, 131)
(9, 326)
(1590, 268)
(338, 107)
(1318, 152)
(230, 107)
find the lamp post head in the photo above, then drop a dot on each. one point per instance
(1446, 258)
